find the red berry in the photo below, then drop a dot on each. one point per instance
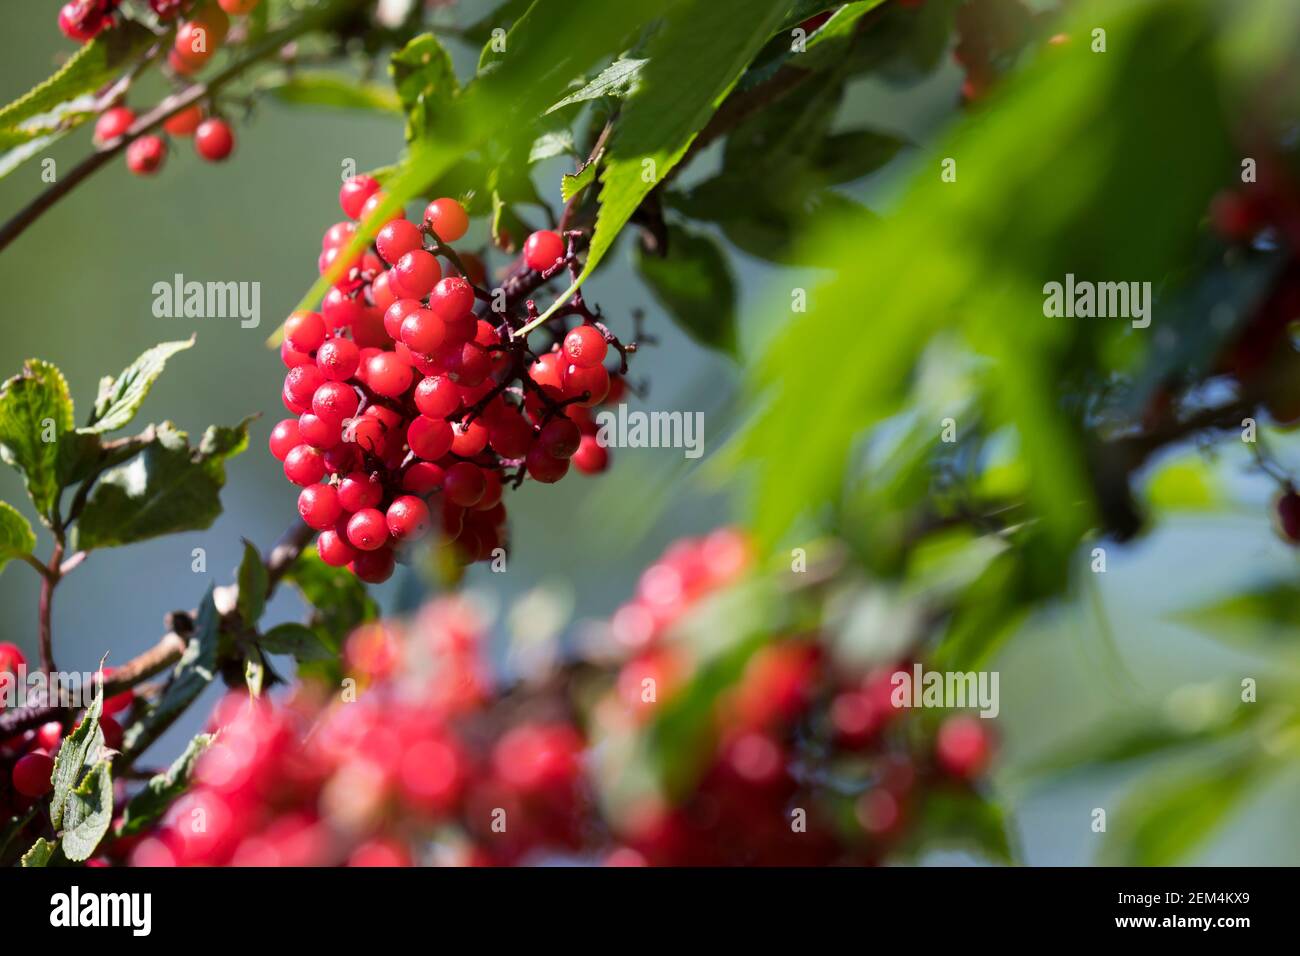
(429, 438)
(559, 438)
(447, 218)
(963, 746)
(543, 249)
(423, 478)
(214, 140)
(1288, 516)
(510, 436)
(301, 383)
(397, 238)
(372, 205)
(422, 331)
(322, 433)
(291, 358)
(437, 396)
(354, 193)
(145, 155)
(338, 359)
(491, 491)
(112, 123)
(452, 299)
(546, 372)
(304, 331)
(464, 484)
(408, 518)
(82, 21)
(304, 466)
(585, 346)
(469, 439)
(185, 122)
(414, 274)
(368, 529)
(50, 735)
(592, 457)
(334, 549)
(319, 506)
(388, 375)
(238, 8)
(284, 436)
(342, 459)
(112, 732)
(359, 491)
(396, 314)
(545, 468)
(367, 433)
(335, 401)
(374, 567)
(592, 382)
(31, 774)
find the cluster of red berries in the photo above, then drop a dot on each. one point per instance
(83, 20)
(27, 759)
(408, 415)
(213, 138)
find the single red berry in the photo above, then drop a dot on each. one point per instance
(335, 550)
(185, 122)
(195, 43)
(585, 346)
(423, 478)
(388, 375)
(381, 293)
(396, 314)
(422, 331)
(510, 436)
(50, 735)
(464, 484)
(112, 732)
(238, 8)
(963, 747)
(304, 331)
(367, 433)
(368, 529)
(359, 491)
(592, 382)
(592, 457)
(545, 468)
(543, 249)
(546, 372)
(338, 359)
(32, 772)
(374, 567)
(284, 436)
(408, 518)
(290, 358)
(429, 438)
(452, 299)
(341, 310)
(355, 192)
(335, 401)
(319, 506)
(415, 273)
(322, 433)
(397, 238)
(371, 206)
(339, 234)
(301, 383)
(559, 438)
(112, 123)
(304, 466)
(145, 155)
(447, 218)
(214, 140)
(1288, 516)
(469, 439)
(437, 396)
(492, 490)
(342, 459)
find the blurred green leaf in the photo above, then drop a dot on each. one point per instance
(120, 398)
(619, 79)
(299, 641)
(426, 82)
(88, 815)
(35, 413)
(1265, 613)
(693, 282)
(339, 602)
(337, 90)
(16, 535)
(152, 800)
(167, 488)
(253, 585)
(1184, 485)
(960, 819)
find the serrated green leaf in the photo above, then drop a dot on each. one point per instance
(152, 801)
(16, 535)
(336, 90)
(193, 673)
(120, 398)
(573, 183)
(40, 853)
(167, 488)
(89, 813)
(89, 68)
(34, 406)
(253, 584)
(693, 282)
(551, 143)
(297, 640)
(85, 740)
(619, 79)
(426, 82)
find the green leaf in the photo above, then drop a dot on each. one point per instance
(1264, 614)
(425, 81)
(336, 90)
(40, 853)
(694, 61)
(89, 813)
(253, 585)
(619, 79)
(85, 740)
(960, 819)
(1168, 817)
(297, 640)
(693, 282)
(167, 488)
(551, 143)
(573, 183)
(844, 157)
(192, 674)
(34, 406)
(89, 68)
(16, 535)
(153, 799)
(120, 398)
(340, 603)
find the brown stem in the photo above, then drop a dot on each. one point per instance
(48, 582)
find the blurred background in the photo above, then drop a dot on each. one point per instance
(78, 292)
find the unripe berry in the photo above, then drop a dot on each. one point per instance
(145, 155)
(388, 375)
(447, 218)
(112, 123)
(414, 274)
(319, 506)
(359, 491)
(214, 140)
(591, 458)
(338, 359)
(408, 518)
(355, 192)
(303, 465)
(429, 438)
(585, 346)
(464, 484)
(542, 249)
(374, 567)
(397, 238)
(284, 436)
(31, 774)
(368, 529)
(334, 549)
(185, 122)
(304, 331)
(559, 438)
